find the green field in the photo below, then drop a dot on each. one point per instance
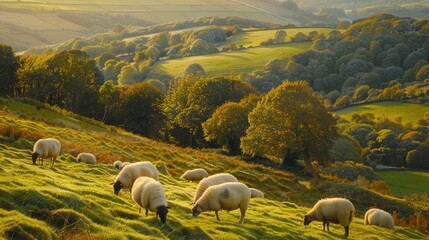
(224, 63)
(406, 182)
(76, 201)
(408, 111)
(254, 38)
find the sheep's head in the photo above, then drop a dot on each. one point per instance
(307, 220)
(34, 156)
(117, 186)
(162, 212)
(196, 210)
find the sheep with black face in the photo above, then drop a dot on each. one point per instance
(131, 172)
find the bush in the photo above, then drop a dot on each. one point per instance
(349, 171)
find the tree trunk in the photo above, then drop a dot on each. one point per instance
(105, 113)
(307, 163)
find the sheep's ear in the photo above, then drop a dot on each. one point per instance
(168, 207)
(111, 183)
(192, 203)
(225, 193)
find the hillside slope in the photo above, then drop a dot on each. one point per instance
(76, 201)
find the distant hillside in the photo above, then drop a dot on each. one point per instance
(409, 112)
(26, 24)
(75, 201)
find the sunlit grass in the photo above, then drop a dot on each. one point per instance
(225, 63)
(409, 112)
(76, 201)
(406, 182)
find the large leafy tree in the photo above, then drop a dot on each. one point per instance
(229, 123)
(109, 94)
(8, 68)
(291, 120)
(191, 102)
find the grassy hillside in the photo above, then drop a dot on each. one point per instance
(244, 60)
(409, 112)
(416, 182)
(254, 38)
(75, 201)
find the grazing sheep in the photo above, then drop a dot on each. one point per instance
(124, 164)
(335, 210)
(131, 172)
(212, 180)
(117, 165)
(150, 195)
(87, 158)
(227, 196)
(46, 148)
(378, 217)
(195, 174)
(256, 193)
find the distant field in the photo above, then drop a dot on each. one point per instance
(225, 63)
(254, 38)
(406, 182)
(409, 112)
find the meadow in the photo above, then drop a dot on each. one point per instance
(224, 63)
(403, 183)
(254, 38)
(408, 111)
(76, 201)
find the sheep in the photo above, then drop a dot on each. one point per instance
(150, 194)
(124, 164)
(195, 174)
(256, 193)
(335, 210)
(227, 196)
(87, 158)
(46, 148)
(378, 217)
(210, 181)
(117, 165)
(131, 172)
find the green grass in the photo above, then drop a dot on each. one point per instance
(255, 37)
(408, 111)
(225, 63)
(76, 201)
(406, 182)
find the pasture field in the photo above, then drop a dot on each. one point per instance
(408, 111)
(254, 38)
(406, 182)
(76, 201)
(224, 63)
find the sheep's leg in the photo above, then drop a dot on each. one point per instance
(217, 216)
(324, 223)
(346, 231)
(327, 226)
(243, 213)
(140, 209)
(147, 212)
(52, 162)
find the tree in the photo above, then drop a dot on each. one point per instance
(319, 44)
(229, 123)
(8, 69)
(194, 70)
(200, 101)
(275, 65)
(109, 94)
(128, 75)
(291, 119)
(280, 36)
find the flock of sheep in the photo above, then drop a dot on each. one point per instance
(216, 192)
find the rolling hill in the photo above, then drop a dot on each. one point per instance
(75, 201)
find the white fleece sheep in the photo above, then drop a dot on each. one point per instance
(87, 158)
(212, 180)
(334, 210)
(195, 174)
(256, 193)
(150, 195)
(227, 196)
(46, 148)
(378, 217)
(131, 172)
(117, 165)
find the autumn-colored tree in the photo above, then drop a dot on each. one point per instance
(291, 119)
(8, 68)
(109, 94)
(229, 123)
